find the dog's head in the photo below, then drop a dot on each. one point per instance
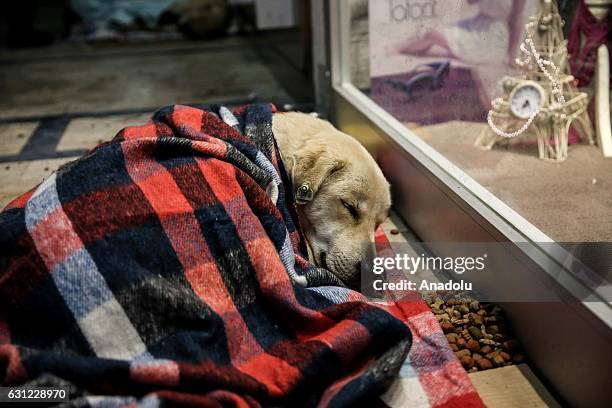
(344, 198)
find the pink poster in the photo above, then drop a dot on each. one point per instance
(432, 61)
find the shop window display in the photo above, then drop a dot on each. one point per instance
(455, 72)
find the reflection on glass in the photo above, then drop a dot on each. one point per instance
(437, 66)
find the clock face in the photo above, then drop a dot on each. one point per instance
(526, 99)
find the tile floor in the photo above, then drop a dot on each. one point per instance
(60, 101)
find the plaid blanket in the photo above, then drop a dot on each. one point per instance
(165, 266)
(431, 375)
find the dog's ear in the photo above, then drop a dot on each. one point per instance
(309, 167)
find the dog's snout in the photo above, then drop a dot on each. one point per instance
(369, 254)
(354, 279)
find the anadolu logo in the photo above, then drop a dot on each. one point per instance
(408, 10)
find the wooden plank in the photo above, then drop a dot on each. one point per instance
(86, 133)
(512, 386)
(14, 136)
(18, 177)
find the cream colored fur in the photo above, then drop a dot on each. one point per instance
(342, 175)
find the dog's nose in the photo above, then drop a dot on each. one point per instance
(355, 279)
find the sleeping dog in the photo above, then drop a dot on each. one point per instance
(164, 265)
(342, 192)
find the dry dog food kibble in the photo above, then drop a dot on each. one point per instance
(476, 332)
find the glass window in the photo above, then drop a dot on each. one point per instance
(505, 91)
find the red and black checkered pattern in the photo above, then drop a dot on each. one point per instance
(165, 266)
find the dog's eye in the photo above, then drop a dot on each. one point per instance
(351, 209)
